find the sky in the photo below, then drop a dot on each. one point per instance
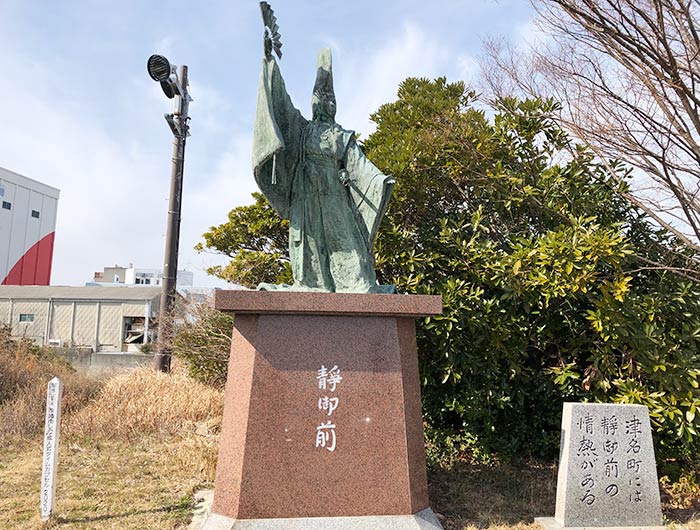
(80, 113)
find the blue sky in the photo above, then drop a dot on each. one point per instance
(81, 114)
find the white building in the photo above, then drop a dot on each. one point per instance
(27, 227)
(132, 276)
(101, 318)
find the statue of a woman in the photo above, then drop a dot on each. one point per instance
(314, 174)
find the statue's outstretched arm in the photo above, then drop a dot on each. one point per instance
(277, 138)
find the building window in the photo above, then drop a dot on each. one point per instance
(26, 317)
(35, 214)
(7, 205)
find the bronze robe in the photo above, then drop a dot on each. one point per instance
(297, 165)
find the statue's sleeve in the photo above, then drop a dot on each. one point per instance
(277, 137)
(370, 189)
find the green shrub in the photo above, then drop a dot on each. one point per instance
(555, 287)
(204, 343)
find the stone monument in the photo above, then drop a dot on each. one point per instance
(322, 426)
(607, 471)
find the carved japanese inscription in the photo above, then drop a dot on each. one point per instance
(327, 380)
(607, 470)
(51, 435)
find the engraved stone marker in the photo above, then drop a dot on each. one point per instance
(51, 434)
(607, 471)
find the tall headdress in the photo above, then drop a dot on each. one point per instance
(324, 73)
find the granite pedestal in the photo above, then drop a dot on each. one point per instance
(322, 422)
(607, 470)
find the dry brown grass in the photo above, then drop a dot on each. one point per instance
(25, 371)
(131, 459)
(23, 415)
(146, 485)
(107, 485)
(144, 402)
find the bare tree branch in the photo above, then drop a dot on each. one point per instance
(626, 73)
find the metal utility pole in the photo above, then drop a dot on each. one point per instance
(173, 85)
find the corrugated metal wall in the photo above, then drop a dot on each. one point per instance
(85, 324)
(134, 309)
(111, 324)
(62, 322)
(81, 323)
(36, 329)
(5, 306)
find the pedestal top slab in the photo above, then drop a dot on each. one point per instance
(315, 303)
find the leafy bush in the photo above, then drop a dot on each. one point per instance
(255, 241)
(204, 343)
(555, 287)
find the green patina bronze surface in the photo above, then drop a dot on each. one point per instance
(314, 174)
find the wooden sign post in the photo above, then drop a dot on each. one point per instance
(51, 435)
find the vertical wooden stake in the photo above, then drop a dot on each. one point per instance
(51, 434)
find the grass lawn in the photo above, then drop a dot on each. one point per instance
(142, 485)
(135, 448)
(149, 484)
(131, 455)
(505, 497)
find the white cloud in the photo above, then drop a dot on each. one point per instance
(165, 45)
(107, 196)
(229, 185)
(468, 68)
(210, 109)
(369, 78)
(113, 203)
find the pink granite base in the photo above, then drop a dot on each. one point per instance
(269, 465)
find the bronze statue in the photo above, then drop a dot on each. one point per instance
(314, 174)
